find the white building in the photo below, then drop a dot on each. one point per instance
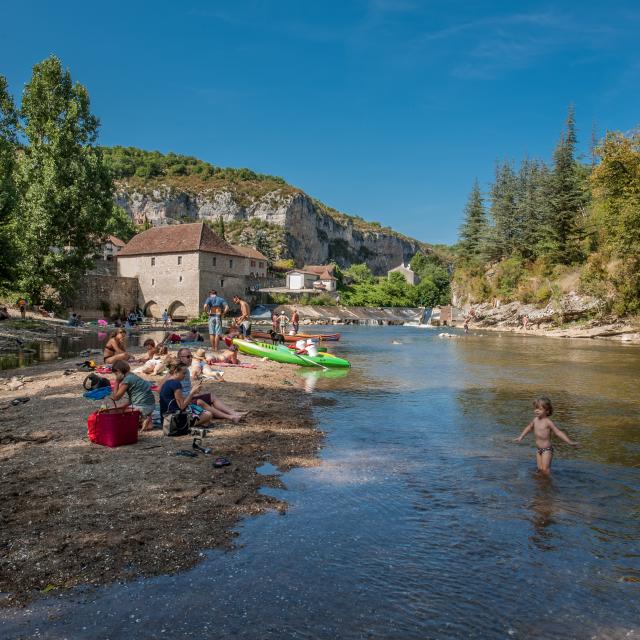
(406, 272)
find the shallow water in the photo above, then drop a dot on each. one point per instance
(424, 520)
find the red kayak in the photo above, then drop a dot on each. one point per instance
(323, 337)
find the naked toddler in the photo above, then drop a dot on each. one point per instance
(542, 427)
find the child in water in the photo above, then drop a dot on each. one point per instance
(542, 427)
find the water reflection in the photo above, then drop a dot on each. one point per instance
(543, 510)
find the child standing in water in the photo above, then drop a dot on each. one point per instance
(542, 427)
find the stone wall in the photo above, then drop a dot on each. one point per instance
(96, 290)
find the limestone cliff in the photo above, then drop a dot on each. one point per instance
(311, 232)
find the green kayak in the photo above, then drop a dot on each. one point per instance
(284, 354)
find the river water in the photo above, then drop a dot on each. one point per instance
(424, 519)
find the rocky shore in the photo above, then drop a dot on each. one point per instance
(72, 512)
(572, 316)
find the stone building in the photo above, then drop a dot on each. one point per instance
(406, 272)
(176, 266)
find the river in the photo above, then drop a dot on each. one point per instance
(424, 519)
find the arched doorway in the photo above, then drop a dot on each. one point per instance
(177, 310)
(152, 310)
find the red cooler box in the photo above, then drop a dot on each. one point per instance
(113, 427)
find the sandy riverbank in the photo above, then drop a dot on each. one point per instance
(72, 512)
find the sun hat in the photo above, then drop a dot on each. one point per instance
(199, 354)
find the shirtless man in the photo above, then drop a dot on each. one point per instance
(542, 427)
(242, 321)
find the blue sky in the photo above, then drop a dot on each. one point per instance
(387, 109)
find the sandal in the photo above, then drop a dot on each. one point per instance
(186, 453)
(221, 462)
(17, 401)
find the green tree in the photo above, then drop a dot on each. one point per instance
(473, 231)
(566, 198)
(220, 227)
(66, 190)
(358, 274)
(616, 188)
(502, 237)
(8, 191)
(120, 224)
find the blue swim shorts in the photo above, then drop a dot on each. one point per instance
(215, 326)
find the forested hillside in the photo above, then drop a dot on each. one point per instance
(542, 228)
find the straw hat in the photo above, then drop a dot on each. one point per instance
(199, 354)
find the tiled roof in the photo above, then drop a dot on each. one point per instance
(307, 273)
(249, 252)
(116, 241)
(177, 238)
(324, 271)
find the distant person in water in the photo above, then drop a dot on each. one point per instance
(295, 321)
(542, 427)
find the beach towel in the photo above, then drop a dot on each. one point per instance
(97, 394)
(104, 369)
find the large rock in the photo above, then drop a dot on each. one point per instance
(570, 307)
(313, 236)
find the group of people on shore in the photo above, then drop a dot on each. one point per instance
(181, 387)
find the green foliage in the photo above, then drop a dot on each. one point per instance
(473, 231)
(126, 162)
(508, 275)
(120, 224)
(8, 188)
(320, 300)
(65, 188)
(358, 274)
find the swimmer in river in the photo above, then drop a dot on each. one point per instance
(542, 427)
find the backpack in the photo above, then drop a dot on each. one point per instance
(94, 381)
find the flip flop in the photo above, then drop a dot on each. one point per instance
(221, 462)
(17, 401)
(186, 453)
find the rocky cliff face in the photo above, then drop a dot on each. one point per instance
(313, 234)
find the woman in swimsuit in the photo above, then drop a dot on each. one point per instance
(542, 427)
(116, 349)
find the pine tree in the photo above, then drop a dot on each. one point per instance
(474, 228)
(8, 191)
(66, 190)
(567, 198)
(503, 234)
(220, 227)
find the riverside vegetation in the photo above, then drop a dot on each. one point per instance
(548, 229)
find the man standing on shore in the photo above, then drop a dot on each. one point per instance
(295, 321)
(215, 307)
(243, 323)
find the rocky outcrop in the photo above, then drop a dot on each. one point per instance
(313, 234)
(568, 308)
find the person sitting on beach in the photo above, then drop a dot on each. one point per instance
(150, 346)
(115, 349)
(214, 405)
(139, 393)
(193, 336)
(542, 427)
(4, 313)
(228, 356)
(174, 399)
(200, 367)
(157, 363)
